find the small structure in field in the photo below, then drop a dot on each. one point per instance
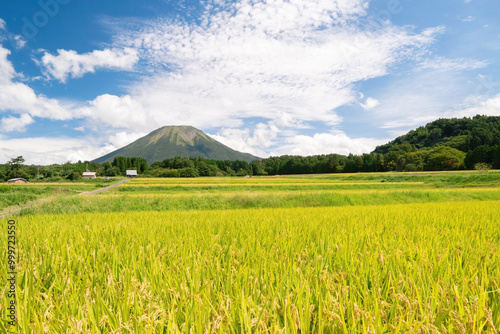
(131, 173)
(89, 175)
(17, 180)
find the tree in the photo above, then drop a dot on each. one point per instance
(188, 172)
(482, 167)
(444, 158)
(74, 176)
(15, 164)
(482, 153)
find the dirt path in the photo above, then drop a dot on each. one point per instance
(105, 189)
(15, 209)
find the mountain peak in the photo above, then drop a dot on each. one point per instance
(185, 132)
(171, 141)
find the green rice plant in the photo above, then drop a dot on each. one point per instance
(191, 199)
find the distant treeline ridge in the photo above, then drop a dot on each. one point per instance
(446, 144)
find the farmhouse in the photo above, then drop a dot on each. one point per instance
(131, 173)
(17, 180)
(89, 175)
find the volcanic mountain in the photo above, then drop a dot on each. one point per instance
(172, 141)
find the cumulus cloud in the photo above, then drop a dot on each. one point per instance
(255, 142)
(2, 24)
(263, 59)
(327, 143)
(290, 63)
(117, 111)
(489, 106)
(71, 64)
(266, 139)
(43, 150)
(17, 97)
(10, 124)
(124, 138)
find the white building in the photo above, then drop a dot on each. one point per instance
(89, 175)
(131, 173)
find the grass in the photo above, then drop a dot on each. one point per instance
(19, 194)
(417, 253)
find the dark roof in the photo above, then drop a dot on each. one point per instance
(17, 179)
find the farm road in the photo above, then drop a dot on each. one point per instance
(107, 188)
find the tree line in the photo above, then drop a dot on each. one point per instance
(15, 168)
(445, 144)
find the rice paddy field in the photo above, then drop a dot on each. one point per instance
(351, 253)
(19, 194)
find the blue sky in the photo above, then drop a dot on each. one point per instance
(79, 79)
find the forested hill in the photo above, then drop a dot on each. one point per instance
(477, 138)
(464, 134)
(445, 144)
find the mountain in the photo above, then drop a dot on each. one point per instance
(171, 141)
(464, 134)
(444, 144)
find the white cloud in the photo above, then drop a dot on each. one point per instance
(7, 71)
(327, 143)
(255, 142)
(43, 150)
(265, 140)
(18, 98)
(71, 64)
(489, 107)
(445, 64)
(426, 95)
(408, 123)
(79, 128)
(20, 42)
(370, 103)
(290, 63)
(119, 112)
(11, 124)
(263, 59)
(17, 41)
(124, 138)
(469, 19)
(397, 133)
